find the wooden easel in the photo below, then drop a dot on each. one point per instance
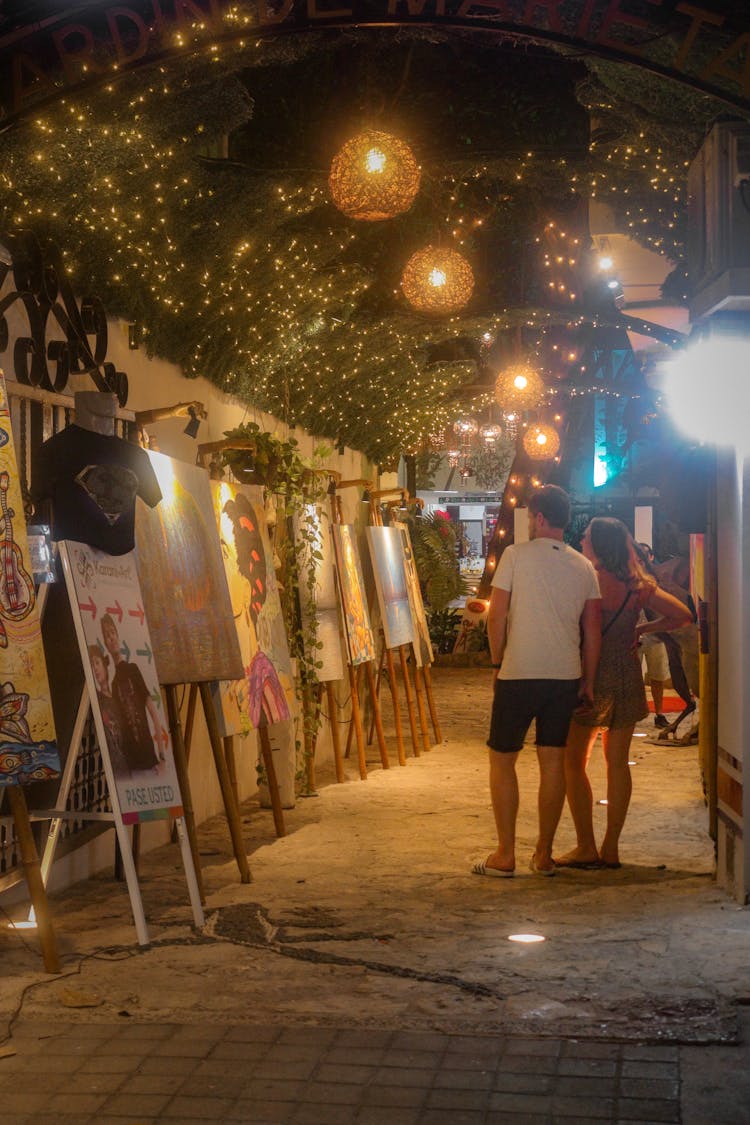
(222, 749)
(354, 674)
(377, 521)
(34, 881)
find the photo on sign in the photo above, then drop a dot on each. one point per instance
(118, 661)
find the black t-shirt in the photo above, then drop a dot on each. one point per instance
(130, 692)
(92, 481)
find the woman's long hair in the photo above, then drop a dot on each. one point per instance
(615, 550)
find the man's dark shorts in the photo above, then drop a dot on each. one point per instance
(517, 702)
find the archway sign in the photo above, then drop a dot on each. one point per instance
(68, 48)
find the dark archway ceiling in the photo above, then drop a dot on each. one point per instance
(193, 198)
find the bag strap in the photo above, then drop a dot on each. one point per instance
(612, 620)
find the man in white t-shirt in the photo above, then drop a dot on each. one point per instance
(544, 630)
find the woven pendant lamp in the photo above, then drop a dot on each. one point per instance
(374, 177)
(541, 442)
(437, 280)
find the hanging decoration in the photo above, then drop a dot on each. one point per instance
(454, 456)
(519, 386)
(541, 442)
(374, 177)
(466, 428)
(491, 433)
(437, 280)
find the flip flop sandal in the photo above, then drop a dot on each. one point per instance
(481, 868)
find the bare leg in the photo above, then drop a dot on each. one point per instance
(551, 801)
(657, 694)
(504, 794)
(619, 787)
(580, 798)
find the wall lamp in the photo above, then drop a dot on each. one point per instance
(194, 411)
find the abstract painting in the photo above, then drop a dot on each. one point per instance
(118, 662)
(387, 555)
(265, 693)
(183, 581)
(28, 748)
(317, 591)
(422, 644)
(360, 641)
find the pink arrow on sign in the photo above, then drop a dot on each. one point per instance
(115, 611)
(89, 607)
(137, 613)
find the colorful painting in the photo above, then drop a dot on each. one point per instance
(320, 602)
(183, 580)
(28, 747)
(118, 662)
(265, 693)
(387, 555)
(360, 642)
(422, 644)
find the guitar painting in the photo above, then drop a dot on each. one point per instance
(28, 750)
(16, 585)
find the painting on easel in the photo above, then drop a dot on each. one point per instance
(387, 556)
(422, 644)
(358, 631)
(317, 591)
(265, 693)
(118, 662)
(183, 581)
(28, 748)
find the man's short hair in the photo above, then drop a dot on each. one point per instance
(554, 504)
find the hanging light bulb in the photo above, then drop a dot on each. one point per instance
(466, 427)
(491, 433)
(374, 177)
(454, 456)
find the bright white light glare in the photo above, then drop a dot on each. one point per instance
(605, 263)
(520, 382)
(29, 924)
(638, 734)
(375, 160)
(600, 472)
(612, 283)
(632, 763)
(603, 801)
(526, 939)
(541, 439)
(707, 389)
(437, 278)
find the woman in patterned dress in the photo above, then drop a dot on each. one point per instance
(619, 694)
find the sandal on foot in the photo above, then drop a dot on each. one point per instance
(481, 868)
(541, 870)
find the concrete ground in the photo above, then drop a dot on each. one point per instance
(365, 974)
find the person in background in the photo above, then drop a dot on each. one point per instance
(619, 694)
(544, 634)
(654, 652)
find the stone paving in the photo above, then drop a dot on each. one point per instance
(323, 1076)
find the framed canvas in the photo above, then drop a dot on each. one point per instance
(28, 746)
(360, 642)
(387, 555)
(265, 693)
(317, 591)
(422, 644)
(182, 577)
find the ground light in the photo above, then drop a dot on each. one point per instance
(526, 939)
(708, 393)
